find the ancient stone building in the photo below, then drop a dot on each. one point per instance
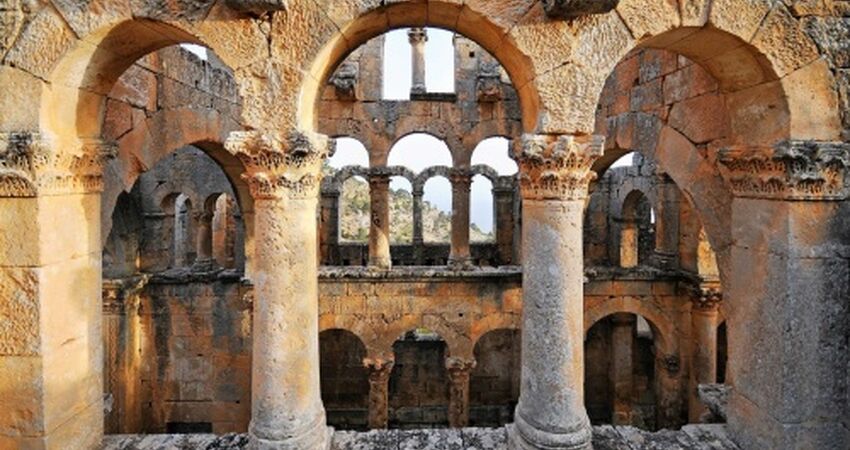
(185, 262)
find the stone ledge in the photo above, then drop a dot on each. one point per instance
(692, 437)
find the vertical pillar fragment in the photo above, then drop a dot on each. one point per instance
(622, 370)
(417, 37)
(789, 320)
(705, 309)
(379, 378)
(418, 239)
(379, 231)
(283, 174)
(666, 252)
(461, 181)
(459, 370)
(554, 177)
(503, 199)
(329, 227)
(204, 259)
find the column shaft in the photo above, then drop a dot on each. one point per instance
(379, 378)
(503, 199)
(417, 37)
(460, 255)
(418, 238)
(622, 367)
(329, 237)
(379, 231)
(459, 371)
(704, 313)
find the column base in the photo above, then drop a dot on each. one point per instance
(380, 263)
(523, 436)
(318, 439)
(460, 263)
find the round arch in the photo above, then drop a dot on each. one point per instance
(453, 16)
(663, 330)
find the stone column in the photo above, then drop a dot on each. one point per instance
(705, 309)
(461, 182)
(418, 238)
(788, 317)
(668, 390)
(204, 260)
(51, 343)
(329, 217)
(417, 37)
(666, 254)
(379, 378)
(379, 231)
(622, 366)
(283, 173)
(459, 370)
(503, 200)
(629, 245)
(554, 177)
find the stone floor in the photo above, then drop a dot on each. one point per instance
(691, 437)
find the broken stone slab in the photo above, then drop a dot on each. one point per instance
(715, 397)
(571, 9)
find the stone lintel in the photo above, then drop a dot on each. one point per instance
(281, 165)
(571, 9)
(557, 167)
(791, 170)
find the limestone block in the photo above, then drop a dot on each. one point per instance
(19, 88)
(832, 35)
(647, 97)
(571, 9)
(118, 119)
(701, 119)
(19, 312)
(601, 42)
(758, 115)
(21, 384)
(548, 44)
(237, 40)
(740, 19)
(646, 19)
(299, 34)
(815, 105)
(87, 17)
(694, 12)
(783, 42)
(41, 44)
(180, 9)
(568, 97)
(688, 82)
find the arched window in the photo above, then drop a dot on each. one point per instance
(495, 152)
(401, 211)
(637, 233)
(354, 210)
(349, 152)
(419, 151)
(481, 214)
(437, 210)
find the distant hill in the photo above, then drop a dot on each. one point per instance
(354, 217)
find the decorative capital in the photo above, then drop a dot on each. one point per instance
(792, 170)
(461, 179)
(278, 166)
(707, 299)
(379, 369)
(459, 367)
(417, 35)
(122, 296)
(557, 166)
(30, 166)
(571, 9)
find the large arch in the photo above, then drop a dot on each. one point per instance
(357, 25)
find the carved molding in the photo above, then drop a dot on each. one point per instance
(570, 9)
(278, 166)
(792, 170)
(557, 166)
(122, 296)
(30, 166)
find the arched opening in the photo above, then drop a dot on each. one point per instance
(494, 382)
(494, 152)
(419, 151)
(418, 387)
(344, 379)
(482, 210)
(620, 380)
(437, 211)
(637, 232)
(349, 152)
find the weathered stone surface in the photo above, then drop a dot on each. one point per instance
(568, 9)
(832, 35)
(784, 43)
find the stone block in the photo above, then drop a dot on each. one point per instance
(688, 82)
(701, 119)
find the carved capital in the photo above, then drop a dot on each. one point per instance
(570, 9)
(461, 179)
(792, 170)
(30, 166)
(459, 368)
(707, 299)
(379, 369)
(278, 166)
(417, 35)
(122, 296)
(557, 167)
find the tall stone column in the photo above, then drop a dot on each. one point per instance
(417, 37)
(459, 370)
(461, 182)
(503, 199)
(379, 378)
(554, 178)
(51, 342)
(379, 231)
(622, 366)
(204, 260)
(418, 237)
(666, 254)
(705, 309)
(329, 226)
(787, 314)
(283, 173)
